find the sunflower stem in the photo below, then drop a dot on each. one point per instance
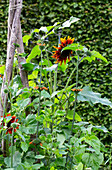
(75, 103)
(12, 148)
(39, 96)
(50, 87)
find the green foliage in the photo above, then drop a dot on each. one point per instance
(85, 149)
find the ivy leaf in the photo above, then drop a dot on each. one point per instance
(88, 95)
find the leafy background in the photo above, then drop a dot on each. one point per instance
(94, 30)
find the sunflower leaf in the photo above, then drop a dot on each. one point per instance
(35, 51)
(88, 95)
(69, 22)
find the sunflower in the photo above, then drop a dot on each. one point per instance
(9, 128)
(60, 55)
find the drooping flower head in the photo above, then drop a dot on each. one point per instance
(60, 55)
(8, 125)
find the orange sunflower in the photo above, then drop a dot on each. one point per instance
(60, 55)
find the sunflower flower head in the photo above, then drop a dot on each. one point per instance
(12, 123)
(60, 55)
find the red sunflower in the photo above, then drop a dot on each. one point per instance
(60, 55)
(9, 128)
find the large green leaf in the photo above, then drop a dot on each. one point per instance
(23, 103)
(94, 142)
(92, 160)
(70, 115)
(16, 159)
(35, 51)
(2, 69)
(45, 94)
(88, 95)
(24, 146)
(26, 38)
(74, 47)
(80, 166)
(61, 139)
(69, 22)
(98, 55)
(28, 66)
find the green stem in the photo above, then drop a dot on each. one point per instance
(12, 148)
(50, 74)
(39, 95)
(4, 109)
(74, 110)
(75, 103)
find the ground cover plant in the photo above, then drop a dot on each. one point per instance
(42, 129)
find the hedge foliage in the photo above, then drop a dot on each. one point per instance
(94, 30)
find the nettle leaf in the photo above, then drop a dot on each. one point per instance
(16, 159)
(101, 128)
(35, 51)
(24, 146)
(39, 156)
(60, 113)
(47, 103)
(23, 103)
(98, 55)
(94, 142)
(54, 94)
(26, 38)
(80, 166)
(45, 94)
(20, 134)
(88, 95)
(70, 115)
(30, 119)
(30, 129)
(92, 160)
(37, 166)
(60, 138)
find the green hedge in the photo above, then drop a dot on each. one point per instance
(94, 30)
